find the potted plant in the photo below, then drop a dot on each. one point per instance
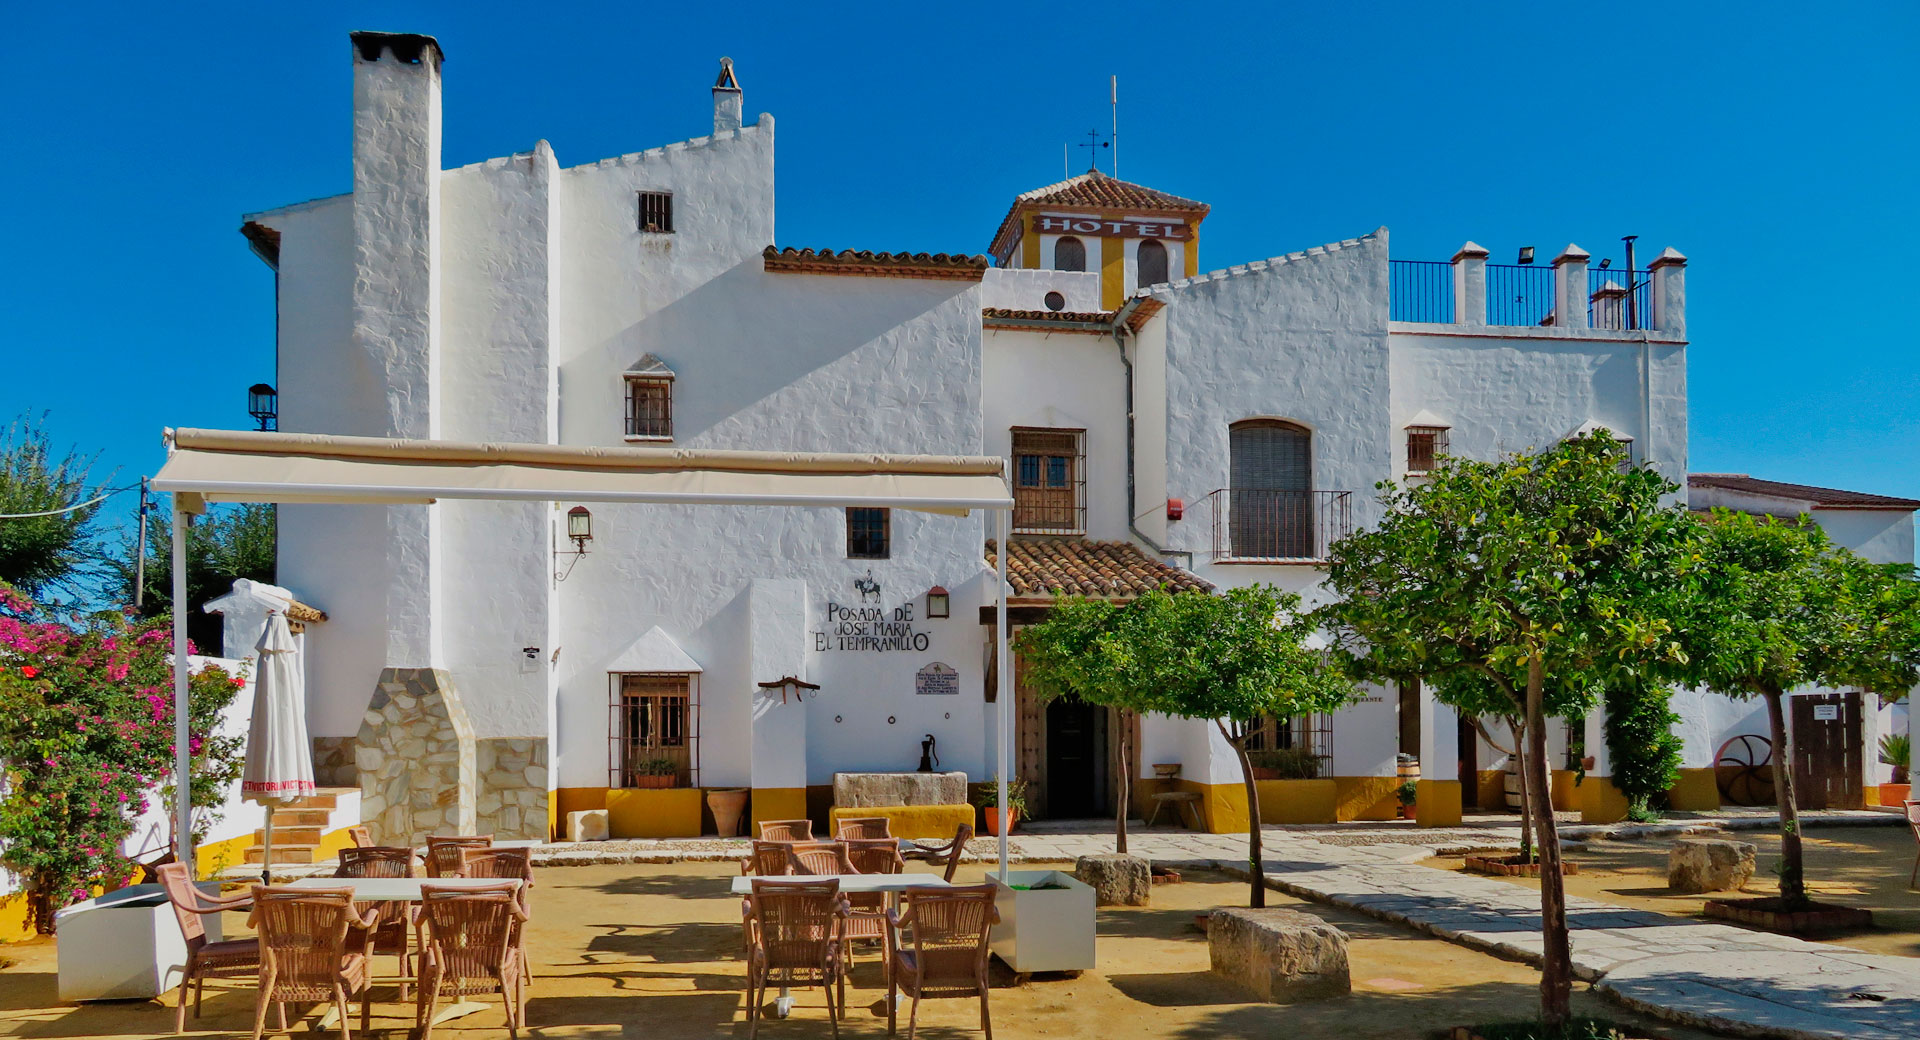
(655, 773)
(988, 799)
(1407, 792)
(1284, 764)
(1896, 750)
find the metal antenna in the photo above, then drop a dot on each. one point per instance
(1114, 90)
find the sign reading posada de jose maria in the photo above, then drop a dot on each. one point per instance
(873, 629)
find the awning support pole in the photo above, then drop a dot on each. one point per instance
(1004, 695)
(182, 751)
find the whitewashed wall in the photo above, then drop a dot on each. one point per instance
(1067, 381)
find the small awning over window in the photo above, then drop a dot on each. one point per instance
(244, 466)
(654, 652)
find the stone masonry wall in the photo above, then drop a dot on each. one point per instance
(513, 787)
(415, 758)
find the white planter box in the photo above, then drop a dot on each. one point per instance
(124, 945)
(1044, 929)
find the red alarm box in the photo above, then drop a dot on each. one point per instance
(1176, 508)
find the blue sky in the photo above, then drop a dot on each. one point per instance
(1773, 144)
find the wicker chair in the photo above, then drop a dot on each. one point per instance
(1913, 824)
(819, 857)
(505, 864)
(948, 932)
(390, 935)
(797, 934)
(304, 956)
(443, 852)
(362, 837)
(786, 830)
(232, 959)
(473, 946)
(868, 910)
(854, 828)
(768, 857)
(945, 852)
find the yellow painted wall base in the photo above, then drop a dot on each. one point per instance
(776, 803)
(1696, 790)
(1366, 798)
(910, 821)
(1437, 803)
(212, 858)
(1297, 801)
(1600, 801)
(666, 812)
(1564, 790)
(16, 920)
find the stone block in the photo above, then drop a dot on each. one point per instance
(1709, 865)
(872, 790)
(1283, 956)
(1116, 879)
(587, 825)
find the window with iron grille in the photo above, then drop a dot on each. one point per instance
(1049, 481)
(655, 727)
(1271, 507)
(869, 533)
(1425, 446)
(1311, 733)
(650, 408)
(656, 212)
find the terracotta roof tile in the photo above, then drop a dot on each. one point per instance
(1072, 567)
(958, 266)
(1007, 317)
(298, 611)
(1831, 498)
(1095, 190)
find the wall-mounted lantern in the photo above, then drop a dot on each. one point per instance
(263, 405)
(939, 602)
(580, 530)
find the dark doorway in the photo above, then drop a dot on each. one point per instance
(1410, 718)
(1827, 751)
(1076, 760)
(1469, 764)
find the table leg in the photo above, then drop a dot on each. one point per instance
(783, 1004)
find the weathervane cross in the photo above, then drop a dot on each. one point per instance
(1093, 146)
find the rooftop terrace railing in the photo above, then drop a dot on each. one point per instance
(1420, 290)
(1519, 295)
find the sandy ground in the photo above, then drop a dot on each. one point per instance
(1852, 866)
(650, 951)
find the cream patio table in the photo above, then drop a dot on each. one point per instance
(403, 890)
(850, 884)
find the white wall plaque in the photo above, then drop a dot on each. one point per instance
(938, 679)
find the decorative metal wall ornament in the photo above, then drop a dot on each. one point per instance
(799, 687)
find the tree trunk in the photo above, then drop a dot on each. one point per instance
(1257, 897)
(1793, 879)
(1126, 783)
(1556, 967)
(1524, 774)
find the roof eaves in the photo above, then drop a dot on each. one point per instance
(866, 263)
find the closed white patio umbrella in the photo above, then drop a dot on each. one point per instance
(279, 766)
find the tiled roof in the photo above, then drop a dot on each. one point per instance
(1073, 567)
(265, 241)
(1830, 498)
(958, 266)
(1009, 318)
(1095, 190)
(298, 611)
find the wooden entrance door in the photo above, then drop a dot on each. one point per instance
(1077, 765)
(1828, 751)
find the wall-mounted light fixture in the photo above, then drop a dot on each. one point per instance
(580, 530)
(263, 403)
(939, 602)
(1526, 254)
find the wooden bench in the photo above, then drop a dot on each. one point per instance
(1184, 803)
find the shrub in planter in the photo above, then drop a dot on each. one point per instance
(1896, 750)
(1284, 764)
(988, 799)
(1407, 793)
(655, 773)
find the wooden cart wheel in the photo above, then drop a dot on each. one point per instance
(1743, 769)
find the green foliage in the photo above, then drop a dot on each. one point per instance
(656, 767)
(228, 543)
(1896, 750)
(1408, 792)
(1287, 763)
(1572, 1029)
(987, 796)
(1565, 557)
(1641, 744)
(39, 555)
(86, 739)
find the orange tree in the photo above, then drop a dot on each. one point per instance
(86, 742)
(1537, 580)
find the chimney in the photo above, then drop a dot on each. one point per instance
(726, 100)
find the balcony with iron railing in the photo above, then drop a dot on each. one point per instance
(1263, 526)
(1469, 291)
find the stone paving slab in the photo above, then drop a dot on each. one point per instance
(1772, 994)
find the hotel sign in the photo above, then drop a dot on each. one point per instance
(1111, 228)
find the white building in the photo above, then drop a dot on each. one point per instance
(1167, 424)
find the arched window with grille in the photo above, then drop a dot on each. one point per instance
(1151, 263)
(1270, 507)
(1069, 254)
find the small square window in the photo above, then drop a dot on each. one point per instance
(1425, 447)
(656, 212)
(869, 533)
(650, 408)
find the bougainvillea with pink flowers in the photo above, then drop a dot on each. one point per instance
(86, 739)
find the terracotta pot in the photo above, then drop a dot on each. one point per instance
(1407, 812)
(727, 803)
(1894, 794)
(990, 815)
(653, 782)
(1586, 764)
(1263, 773)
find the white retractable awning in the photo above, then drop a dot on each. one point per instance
(242, 466)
